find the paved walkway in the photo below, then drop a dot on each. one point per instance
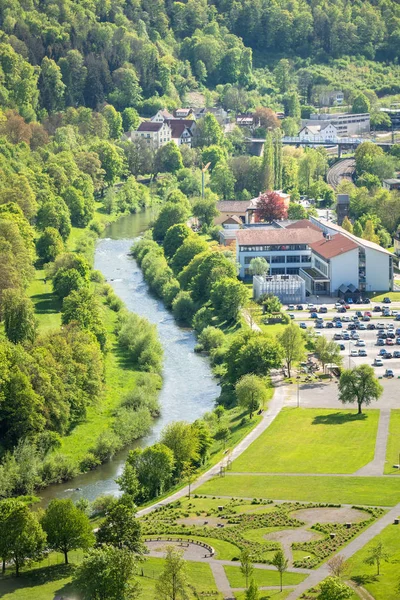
(377, 465)
(354, 546)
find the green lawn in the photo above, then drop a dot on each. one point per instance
(393, 446)
(371, 491)
(384, 586)
(262, 577)
(304, 440)
(47, 305)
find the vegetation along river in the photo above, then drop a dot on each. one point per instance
(189, 389)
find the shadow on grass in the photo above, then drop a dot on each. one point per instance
(35, 577)
(46, 303)
(338, 418)
(363, 579)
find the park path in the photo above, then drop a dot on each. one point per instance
(376, 467)
(274, 408)
(354, 546)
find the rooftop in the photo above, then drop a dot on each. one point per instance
(333, 246)
(248, 237)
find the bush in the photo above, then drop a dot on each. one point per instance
(183, 308)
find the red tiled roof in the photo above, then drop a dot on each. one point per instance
(302, 224)
(270, 236)
(334, 246)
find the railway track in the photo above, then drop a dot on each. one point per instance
(343, 169)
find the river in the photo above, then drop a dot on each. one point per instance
(189, 389)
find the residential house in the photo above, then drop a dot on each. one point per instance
(156, 134)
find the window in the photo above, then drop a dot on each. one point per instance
(277, 259)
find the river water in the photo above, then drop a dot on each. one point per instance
(189, 389)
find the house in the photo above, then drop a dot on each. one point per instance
(285, 249)
(331, 98)
(346, 123)
(156, 134)
(391, 184)
(183, 113)
(316, 133)
(374, 265)
(161, 116)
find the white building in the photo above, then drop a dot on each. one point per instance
(285, 249)
(346, 123)
(316, 133)
(375, 264)
(155, 133)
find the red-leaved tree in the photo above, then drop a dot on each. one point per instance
(271, 207)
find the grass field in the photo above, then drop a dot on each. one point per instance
(386, 585)
(262, 577)
(371, 491)
(304, 440)
(393, 445)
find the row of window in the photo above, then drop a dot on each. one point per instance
(273, 248)
(303, 258)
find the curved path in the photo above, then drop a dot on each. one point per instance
(342, 169)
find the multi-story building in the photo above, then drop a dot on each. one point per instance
(285, 249)
(155, 133)
(346, 124)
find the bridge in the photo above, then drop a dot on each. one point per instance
(348, 143)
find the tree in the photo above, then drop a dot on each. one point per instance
(292, 343)
(120, 527)
(251, 392)
(347, 225)
(271, 207)
(332, 588)
(327, 351)
(22, 536)
(205, 210)
(49, 245)
(359, 385)
(259, 266)
(67, 527)
(246, 565)
(175, 237)
(173, 582)
(280, 563)
(181, 438)
(208, 132)
(168, 159)
(153, 467)
(361, 104)
(106, 574)
(227, 297)
(18, 313)
(170, 214)
(252, 593)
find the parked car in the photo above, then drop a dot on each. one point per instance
(389, 373)
(362, 353)
(378, 362)
(302, 325)
(387, 300)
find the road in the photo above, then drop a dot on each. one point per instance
(343, 169)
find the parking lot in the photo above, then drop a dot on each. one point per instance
(358, 335)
